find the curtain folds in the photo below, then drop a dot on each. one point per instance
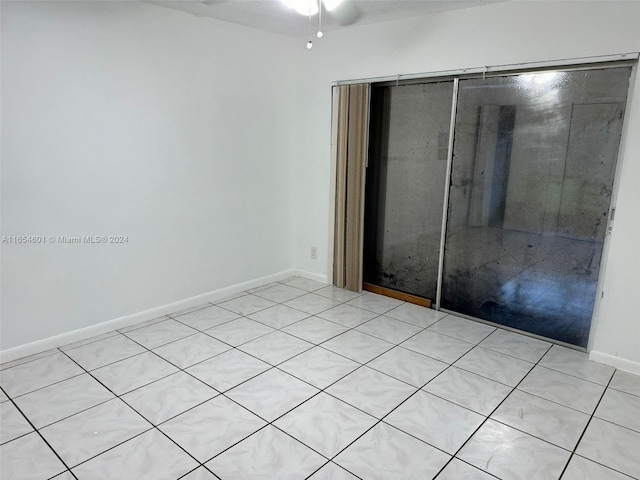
(350, 139)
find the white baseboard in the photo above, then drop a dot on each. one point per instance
(617, 362)
(311, 276)
(66, 338)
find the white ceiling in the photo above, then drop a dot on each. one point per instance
(273, 16)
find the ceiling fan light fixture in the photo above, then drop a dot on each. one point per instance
(306, 7)
(303, 7)
(331, 5)
(310, 7)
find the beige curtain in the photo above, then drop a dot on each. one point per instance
(350, 138)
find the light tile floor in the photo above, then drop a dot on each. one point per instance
(297, 380)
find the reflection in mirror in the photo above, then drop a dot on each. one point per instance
(405, 184)
(532, 177)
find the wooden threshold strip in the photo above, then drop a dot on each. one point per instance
(405, 297)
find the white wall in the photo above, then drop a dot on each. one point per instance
(505, 33)
(121, 118)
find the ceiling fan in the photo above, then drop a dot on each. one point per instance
(343, 11)
(338, 12)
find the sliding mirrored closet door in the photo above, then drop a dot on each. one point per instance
(405, 186)
(531, 184)
(531, 179)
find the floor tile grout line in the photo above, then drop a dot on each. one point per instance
(342, 324)
(537, 364)
(153, 426)
(514, 388)
(584, 431)
(317, 314)
(286, 281)
(113, 447)
(245, 314)
(598, 463)
(39, 356)
(282, 329)
(409, 323)
(76, 412)
(84, 343)
(623, 391)
(382, 419)
(398, 306)
(329, 459)
(257, 294)
(46, 386)
(484, 472)
(22, 435)
(330, 462)
(339, 303)
(421, 389)
(37, 432)
(267, 424)
(475, 373)
(142, 324)
(188, 311)
(576, 376)
(156, 426)
(59, 475)
(529, 434)
(558, 403)
(324, 390)
(508, 354)
(239, 344)
(195, 332)
(486, 418)
(489, 378)
(200, 464)
(121, 359)
(182, 477)
(399, 345)
(614, 423)
(184, 338)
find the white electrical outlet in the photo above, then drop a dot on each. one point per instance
(314, 253)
